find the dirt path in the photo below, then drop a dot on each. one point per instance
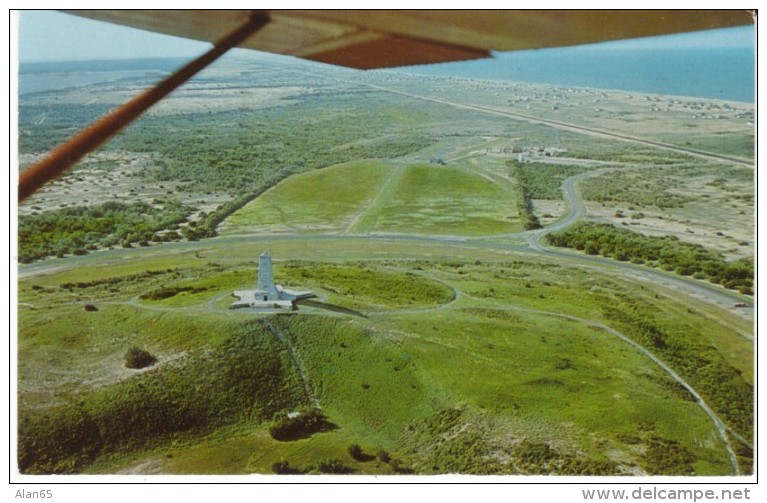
(293, 356)
(720, 425)
(360, 223)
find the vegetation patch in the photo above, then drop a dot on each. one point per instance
(339, 355)
(459, 441)
(525, 203)
(433, 199)
(369, 288)
(332, 466)
(76, 230)
(371, 196)
(299, 424)
(245, 155)
(538, 181)
(648, 187)
(668, 253)
(721, 385)
(543, 181)
(324, 200)
(667, 457)
(137, 358)
(246, 378)
(168, 292)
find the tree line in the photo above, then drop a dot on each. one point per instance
(666, 252)
(76, 230)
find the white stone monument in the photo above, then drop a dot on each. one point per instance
(267, 294)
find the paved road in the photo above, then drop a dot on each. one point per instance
(712, 156)
(577, 209)
(576, 128)
(700, 289)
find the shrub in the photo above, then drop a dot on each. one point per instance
(79, 229)
(667, 457)
(355, 451)
(307, 422)
(667, 253)
(282, 467)
(332, 465)
(384, 456)
(137, 358)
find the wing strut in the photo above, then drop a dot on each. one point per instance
(67, 154)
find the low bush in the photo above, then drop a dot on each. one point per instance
(667, 457)
(60, 440)
(74, 230)
(137, 358)
(282, 467)
(355, 451)
(668, 253)
(384, 456)
(524, 198)
(168, 292)
(303, 424)
(332, 466)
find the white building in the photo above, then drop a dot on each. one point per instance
(267, 294)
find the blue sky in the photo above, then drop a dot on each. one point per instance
(54, 36)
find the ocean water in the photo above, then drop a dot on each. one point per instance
(716, 73)
(50, 76)
(720, 73)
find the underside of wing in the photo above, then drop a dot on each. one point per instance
(367, 39)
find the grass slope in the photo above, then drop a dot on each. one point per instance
(372, 196)
(320, 201)
(432, 199)
(494, 381)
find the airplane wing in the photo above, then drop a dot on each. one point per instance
(364, 39)
(367, 39)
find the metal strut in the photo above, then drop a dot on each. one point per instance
(68, 153)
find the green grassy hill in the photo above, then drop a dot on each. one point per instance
(482, 367)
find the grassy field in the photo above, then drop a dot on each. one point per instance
(376, 197)
(439, 382)
(323, 201)
(433, 199)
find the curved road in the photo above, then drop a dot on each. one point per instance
(577, 209)
(713, 293)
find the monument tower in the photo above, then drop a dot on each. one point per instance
(265, 288)
(267, 294)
